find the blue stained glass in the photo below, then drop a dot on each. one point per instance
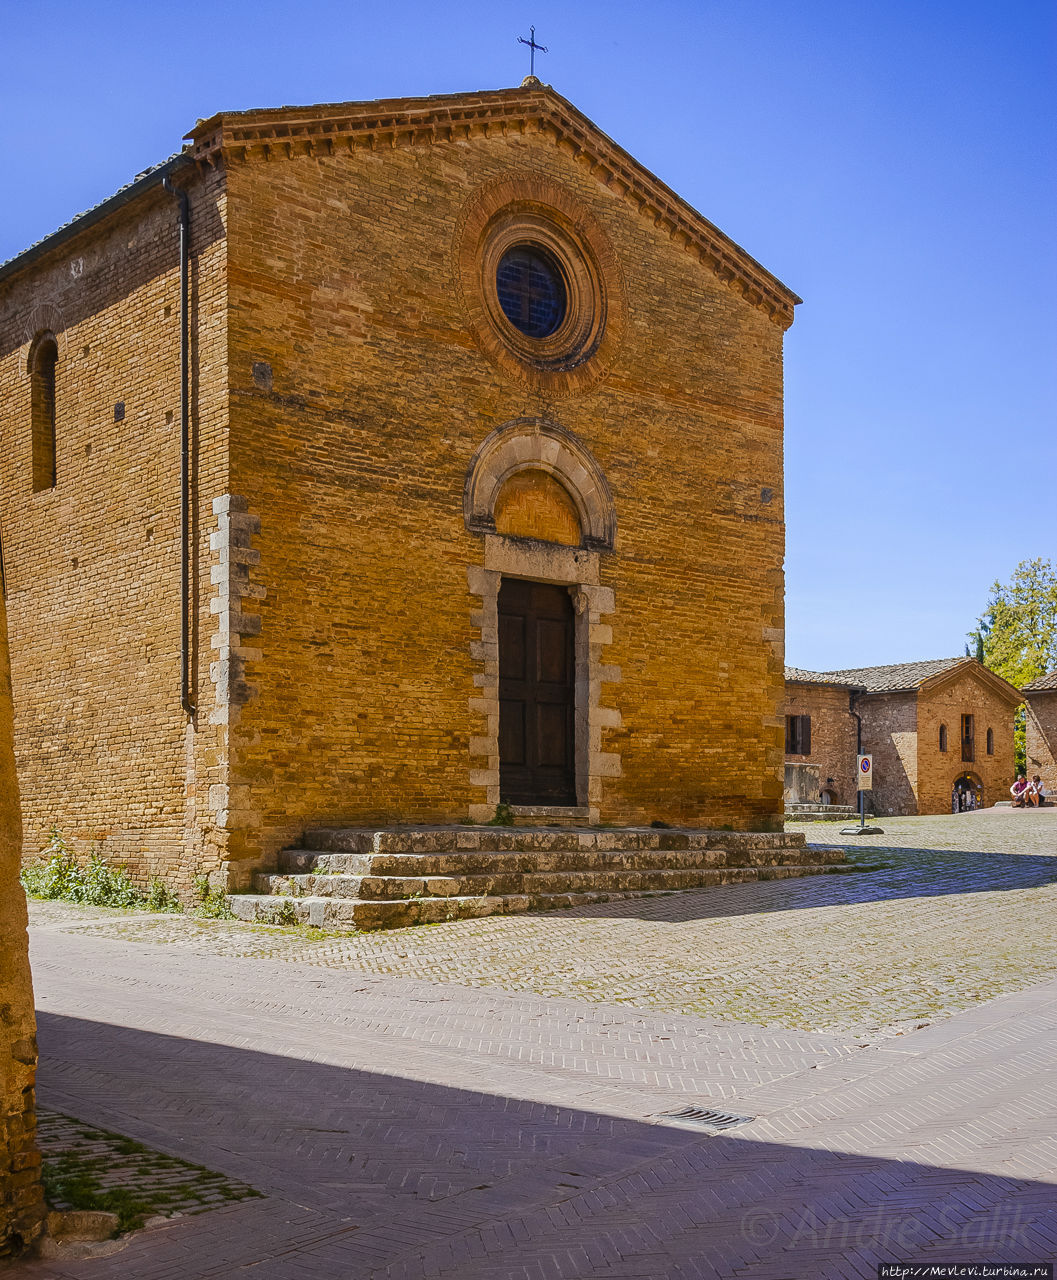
(531, 291)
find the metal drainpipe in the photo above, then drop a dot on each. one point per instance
(185, 449)
(858, 751)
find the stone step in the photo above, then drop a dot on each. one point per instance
(499, 884)
(369, 914)
(309, 861)
(299, 861)
(820, 813)
(358, 840)
(799, 807)
(376, 878)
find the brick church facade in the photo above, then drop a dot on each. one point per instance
(931, 727)
(387, 461)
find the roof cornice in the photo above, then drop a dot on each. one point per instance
(242, 136)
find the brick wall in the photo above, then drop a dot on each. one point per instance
(21, 1197)
(1040, 736)
(945, 703)
(92, 565)
(336, 641)
(833, 737)
(353, 450)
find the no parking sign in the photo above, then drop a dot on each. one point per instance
(865, 773)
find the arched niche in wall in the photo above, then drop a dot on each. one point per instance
(512, 465)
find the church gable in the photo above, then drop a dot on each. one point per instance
(533, 109)
(974, 679)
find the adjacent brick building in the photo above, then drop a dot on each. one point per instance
(1040, 730)
(820, 734)
(284, 419)
(930, 726)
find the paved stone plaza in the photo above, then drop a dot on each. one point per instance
(482, 1100)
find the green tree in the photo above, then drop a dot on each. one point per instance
(1017, 632)
(1019, 626)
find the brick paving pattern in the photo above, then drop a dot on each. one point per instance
(417, 1122)
(160, 1184)
(1004, 830)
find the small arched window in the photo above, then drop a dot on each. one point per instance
(943, 737)
(43, 359)
(990, 742)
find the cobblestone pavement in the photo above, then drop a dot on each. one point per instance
(1004, 830)
(88, 1168)
(872, 954)
(402, 1128)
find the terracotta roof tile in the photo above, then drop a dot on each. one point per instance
(897, 677)
(796, 675)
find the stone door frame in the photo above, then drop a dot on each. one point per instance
(539, 443)
(577, 569)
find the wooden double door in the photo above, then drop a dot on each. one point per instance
(537, 687)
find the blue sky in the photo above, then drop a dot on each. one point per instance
(895, 163)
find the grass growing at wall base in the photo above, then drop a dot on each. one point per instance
(68, 1182)
(97, 883)
(89, 1168)
(210, 903)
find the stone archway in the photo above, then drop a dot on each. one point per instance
(555, 521)
(536, 444)
(966, 785)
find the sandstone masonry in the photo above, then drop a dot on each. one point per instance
(22, 1207)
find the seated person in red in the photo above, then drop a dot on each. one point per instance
(1017, 791)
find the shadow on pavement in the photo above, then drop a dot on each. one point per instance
(368, 1175)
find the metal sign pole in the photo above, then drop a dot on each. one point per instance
(863, 783)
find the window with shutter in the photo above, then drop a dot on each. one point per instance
(798, 735)
(968, 745)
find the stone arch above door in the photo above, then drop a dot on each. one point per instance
(537, 550)
(535, 444)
